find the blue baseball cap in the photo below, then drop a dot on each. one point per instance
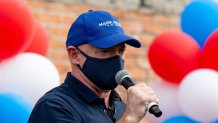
(99, 29)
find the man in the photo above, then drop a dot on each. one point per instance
(95, 46)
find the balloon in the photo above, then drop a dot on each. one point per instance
(198, 95)
(167, 93)
(0, 76)
(199, 19)
(17, 27)
(40, 41)
(14, 108)
(179, 119)
(29, 75)
(210, 51)
(173, 54)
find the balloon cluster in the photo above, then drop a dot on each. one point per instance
(25, 73)
(19, 31)
(186, 61)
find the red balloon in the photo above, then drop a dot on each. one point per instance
(16, 27)
(210, 52)
(40, 41)
(173, 54)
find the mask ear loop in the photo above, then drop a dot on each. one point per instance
(78, 65)
(82, 52)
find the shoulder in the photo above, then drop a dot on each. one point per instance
(62, 95)
(53, 107)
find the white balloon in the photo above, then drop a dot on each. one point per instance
(0, 77)
(29, 75)
(198, 95)
(167, 94)
(0, 73)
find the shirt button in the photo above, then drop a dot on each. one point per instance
(105, 111)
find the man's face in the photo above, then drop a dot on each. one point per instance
(79, 55)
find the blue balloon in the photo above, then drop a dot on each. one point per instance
(199, 19)
(14, 109)
(179, 119)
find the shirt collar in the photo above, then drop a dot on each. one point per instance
(87, 94)
(80, 88)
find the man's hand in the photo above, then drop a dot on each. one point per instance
(138, 97)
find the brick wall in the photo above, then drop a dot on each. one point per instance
(58, 17)
(173, 7)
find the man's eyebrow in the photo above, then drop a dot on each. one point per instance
(121, 46)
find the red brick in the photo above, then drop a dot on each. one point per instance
(134, 52)
(57, 44)
(145, 39)
(58, 31)
(137, 74)
(69, 19)
(130, 62)
(59, 54)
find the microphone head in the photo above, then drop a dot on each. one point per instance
(120, 75)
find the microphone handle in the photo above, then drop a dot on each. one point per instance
(153, 108)
(127, 82)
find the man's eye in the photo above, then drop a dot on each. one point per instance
(121, 50)
(105, 51)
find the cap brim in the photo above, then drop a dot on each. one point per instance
(112, 40)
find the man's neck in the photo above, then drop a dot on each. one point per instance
(104, 94)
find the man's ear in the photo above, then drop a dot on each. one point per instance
(73, 55)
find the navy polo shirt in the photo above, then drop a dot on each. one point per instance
(73, 102)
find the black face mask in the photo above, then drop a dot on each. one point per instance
(101, 72)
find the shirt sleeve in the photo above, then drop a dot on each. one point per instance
(53, 111)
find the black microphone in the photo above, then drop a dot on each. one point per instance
(123, 78)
